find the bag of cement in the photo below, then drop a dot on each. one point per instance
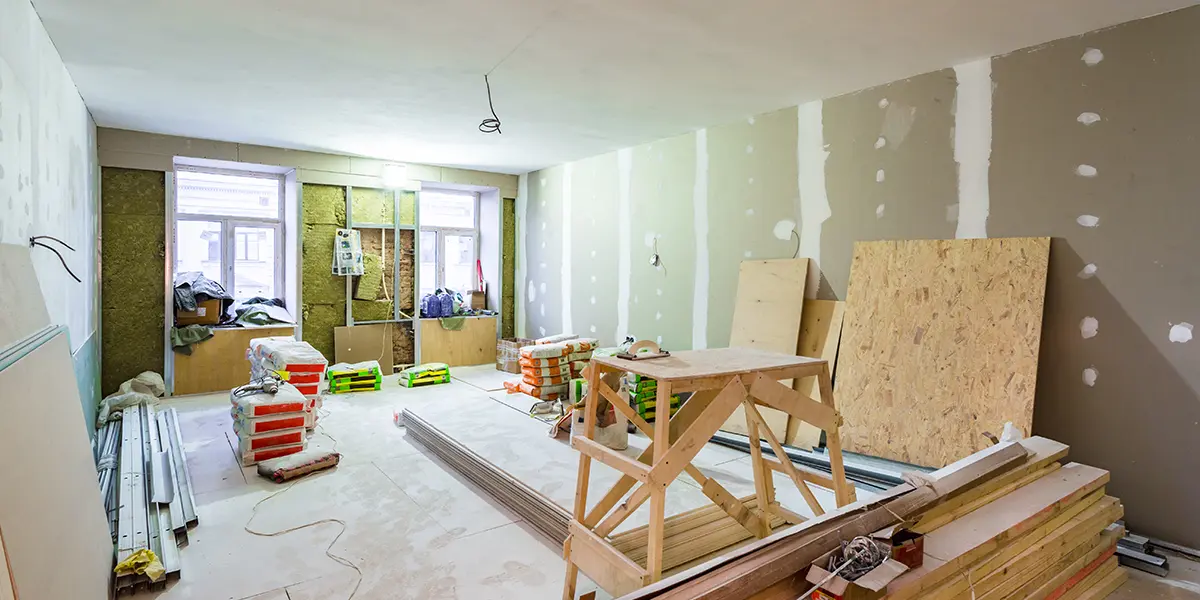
(284, 468)
(555, 339)
(542, 363)
(254, 404)
(253, 457)
(557, 371)
(143, 389)
(582, 345)
(558, 350)
(262, 441)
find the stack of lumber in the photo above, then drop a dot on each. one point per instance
(1009, 522)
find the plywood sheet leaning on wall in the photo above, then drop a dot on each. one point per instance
(766, 316)
(940, 344)
(820, 332)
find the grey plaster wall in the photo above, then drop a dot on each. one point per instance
(1126, 399)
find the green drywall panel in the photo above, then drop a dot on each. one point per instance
(593, 231)
(543, 242)
(752, 186)
(508, 267)
(661, 217)
(132, 268)
(86, 362)
(372, 206)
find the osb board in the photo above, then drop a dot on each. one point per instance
(219, 363)
(820, 332)
(766, 316)
(58, 499)
(364, 342)
(940, 345)
(474, 344)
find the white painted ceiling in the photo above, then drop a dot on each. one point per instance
(403, 79)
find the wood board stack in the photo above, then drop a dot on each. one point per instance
(293, 361)
(1035, 529)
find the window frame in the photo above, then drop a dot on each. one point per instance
(439, 258)
(229, 225)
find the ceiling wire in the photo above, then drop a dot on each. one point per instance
(492, 125)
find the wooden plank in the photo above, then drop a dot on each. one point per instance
(58, 517)
(474, 344)
(786, 466)
(929, 361)
(219, 363)
(767, 315)
(1065, 577)
(591, 402)
(782, 398)
(764, 483)
(711, 363)
(843, 491)
(820, 333)
(623, 511)
(955, 546)
(763, 564)
(670, 460)
(1005, 569)
(1099, 584)
(1043, 452)
(604, 564)
(808, 475)
(612, 458)
(658, 497)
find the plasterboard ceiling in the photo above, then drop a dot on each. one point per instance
(403, 79)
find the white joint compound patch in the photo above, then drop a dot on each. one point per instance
(883, 103)
(658, 316)
(879, 211)
(658, 291)
(1086, 171)
(1088, 220)
(542, 331)
(593, 299)
(1089, 327)
(532, 292)
(1089, 376)
(750, 120)
(1092, 57)
(700, 232)
(750, 181)
(593, 251)
(542, 286)
(649, 238)
(1088, 118)
(1088, 271)
(973, 146)
(814, 199)
(593, 279)
(880, 176)
(592, 329)
(749, 149)
(748, 254)
(624, 233)
(880, 143)
(565, 281)
(783, 229)
(749, 212)
(1181, 333)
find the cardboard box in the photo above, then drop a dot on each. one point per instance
(508, 354)
(871, 586)
(207, 312)
(477, 300)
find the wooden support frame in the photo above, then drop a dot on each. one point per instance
(722, 380)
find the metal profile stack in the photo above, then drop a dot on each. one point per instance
(152, 505)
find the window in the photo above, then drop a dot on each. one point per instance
(448, 233)
(228, 225)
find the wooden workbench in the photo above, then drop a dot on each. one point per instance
(722, 380)
(219, 363)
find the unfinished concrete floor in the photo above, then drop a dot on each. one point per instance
(412, 527)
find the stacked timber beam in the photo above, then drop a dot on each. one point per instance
(154, 502)
(1008, 522)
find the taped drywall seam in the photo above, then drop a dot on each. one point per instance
(814, 199)
(624, 256)
(522, 258)
(700, 222)
(973, 146)
(567, 325)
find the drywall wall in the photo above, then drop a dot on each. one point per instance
(132, 255)
(48, 175)
(1089, 140)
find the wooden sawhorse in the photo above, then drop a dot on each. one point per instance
(721, 380)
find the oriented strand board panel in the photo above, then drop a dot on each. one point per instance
(940, 345)
(766, 316)
(219, 363)
(820, 332)
(474, 344)
(55, 531)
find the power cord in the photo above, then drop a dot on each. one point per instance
(491, 125)
(33, 241)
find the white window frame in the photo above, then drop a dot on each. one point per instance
(229, 224)
(442, 232)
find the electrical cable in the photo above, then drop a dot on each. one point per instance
(33, 241)
(491, 125)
